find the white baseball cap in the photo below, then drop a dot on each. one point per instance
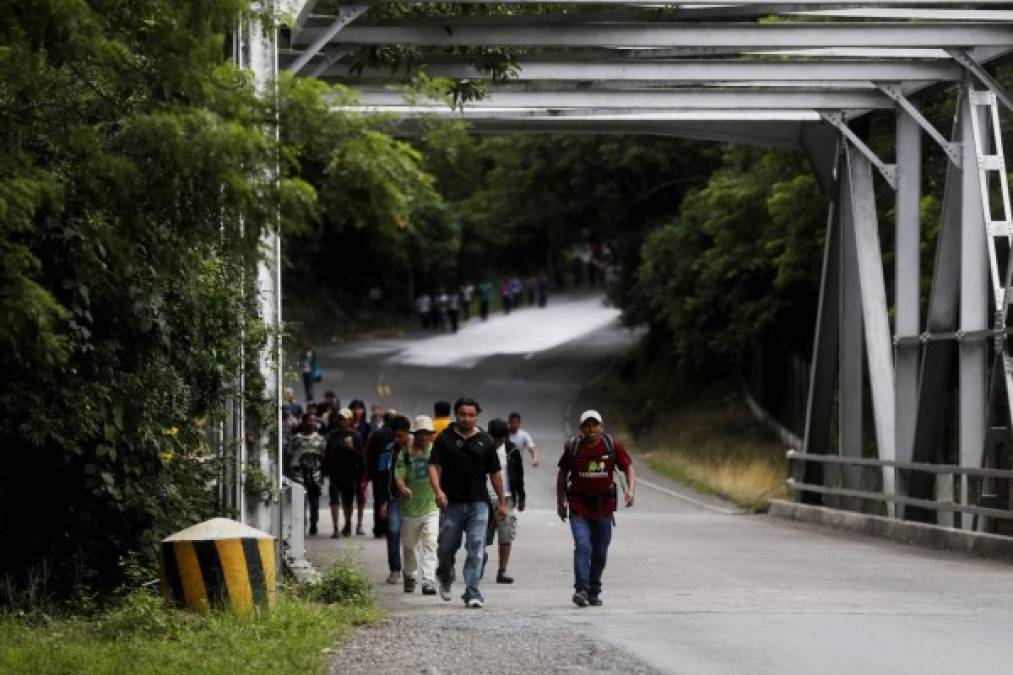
(591, 415)
(423, 423)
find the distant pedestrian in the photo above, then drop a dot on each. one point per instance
(390, 509)
(376, 412)
(505, 530)
(543, 289)
(309, 368)
(585, 484)
(467, 292)
(375, 446)
(453, 308)
(343, 465)
(441, 305)
(484, 298)
(424, 307)
(504, 295)
(463, 458)
(420, 517)
(307, 465)
(441, 416)
(522, 439)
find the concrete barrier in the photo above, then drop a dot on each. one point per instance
(919, 534)
(218, 563)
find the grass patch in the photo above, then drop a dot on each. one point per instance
(709, 441)
(141, 635)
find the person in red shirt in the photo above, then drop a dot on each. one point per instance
(585, 490)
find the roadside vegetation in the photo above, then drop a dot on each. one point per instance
(140, 634)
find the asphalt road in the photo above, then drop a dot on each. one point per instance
(692, 584)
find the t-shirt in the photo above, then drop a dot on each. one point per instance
(591, 463)
(465, 464)
(501, 454)
(440, 423)
(413, 468)
(522, 440)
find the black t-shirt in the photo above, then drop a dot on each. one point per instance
(465, 464)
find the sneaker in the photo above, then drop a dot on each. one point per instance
(595, 601)
(580, 599)
(313, 529)
(502, 578)
(409, 585)
(393, 577)
(445, 591)
(473, 603)
(428, 588)
(334, 535)
(359, 531)
(346, 531)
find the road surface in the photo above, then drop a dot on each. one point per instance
(693, 585)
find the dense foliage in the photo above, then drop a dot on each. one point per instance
(138, 174)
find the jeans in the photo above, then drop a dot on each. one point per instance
(394, 535)
(471, 520)
(591, 538)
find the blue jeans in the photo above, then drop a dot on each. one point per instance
(471, 520)
(591, 538)
(394, 535)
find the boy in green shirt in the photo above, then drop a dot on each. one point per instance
(420, 517)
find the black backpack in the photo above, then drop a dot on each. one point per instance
(573, 448)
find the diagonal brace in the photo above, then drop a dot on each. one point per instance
(975, 68)
(888, 171)
(894, 91)
(348, 14)
(330, 58)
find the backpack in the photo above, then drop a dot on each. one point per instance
(573, 449)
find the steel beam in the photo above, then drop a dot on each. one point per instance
(685, 99)
(703, 71)
(457, 33)
(974, 293)
(907, 279)
(850, 397)
(967, 61)
(878, 343)
(349, 13)
(888, 171)
(895, 92)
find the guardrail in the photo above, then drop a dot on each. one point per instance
(945, 482)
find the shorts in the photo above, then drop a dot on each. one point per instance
(341, 492)
(506, 529)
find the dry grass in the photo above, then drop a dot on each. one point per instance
(718, 448)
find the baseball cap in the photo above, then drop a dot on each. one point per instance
(423, 423)
(346, 413)
(591, 415)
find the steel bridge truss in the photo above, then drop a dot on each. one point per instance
(941, 387)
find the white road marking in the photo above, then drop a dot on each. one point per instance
(686, 498)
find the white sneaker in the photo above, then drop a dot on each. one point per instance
(445, 591)
(394, 578)
(474, 603)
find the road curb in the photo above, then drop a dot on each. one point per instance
(979, 544)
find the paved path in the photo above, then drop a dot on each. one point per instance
(692, 585)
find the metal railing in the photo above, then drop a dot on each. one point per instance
(944, 489)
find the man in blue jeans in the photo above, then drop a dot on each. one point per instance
(463, 457)
(390, 504)
(585, 484)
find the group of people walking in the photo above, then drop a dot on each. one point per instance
(441, 481)
(444, 310)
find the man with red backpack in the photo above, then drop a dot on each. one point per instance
(585, 487)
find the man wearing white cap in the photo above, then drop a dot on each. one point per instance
(420, 516)
(585, 488)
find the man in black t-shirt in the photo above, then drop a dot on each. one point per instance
(463, 457)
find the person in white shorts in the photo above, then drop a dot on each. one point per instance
(420, 516)
(505, 530)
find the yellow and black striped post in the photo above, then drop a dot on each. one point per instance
(219, 563)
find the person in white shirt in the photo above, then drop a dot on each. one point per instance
(521, 438)
(505, 530)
